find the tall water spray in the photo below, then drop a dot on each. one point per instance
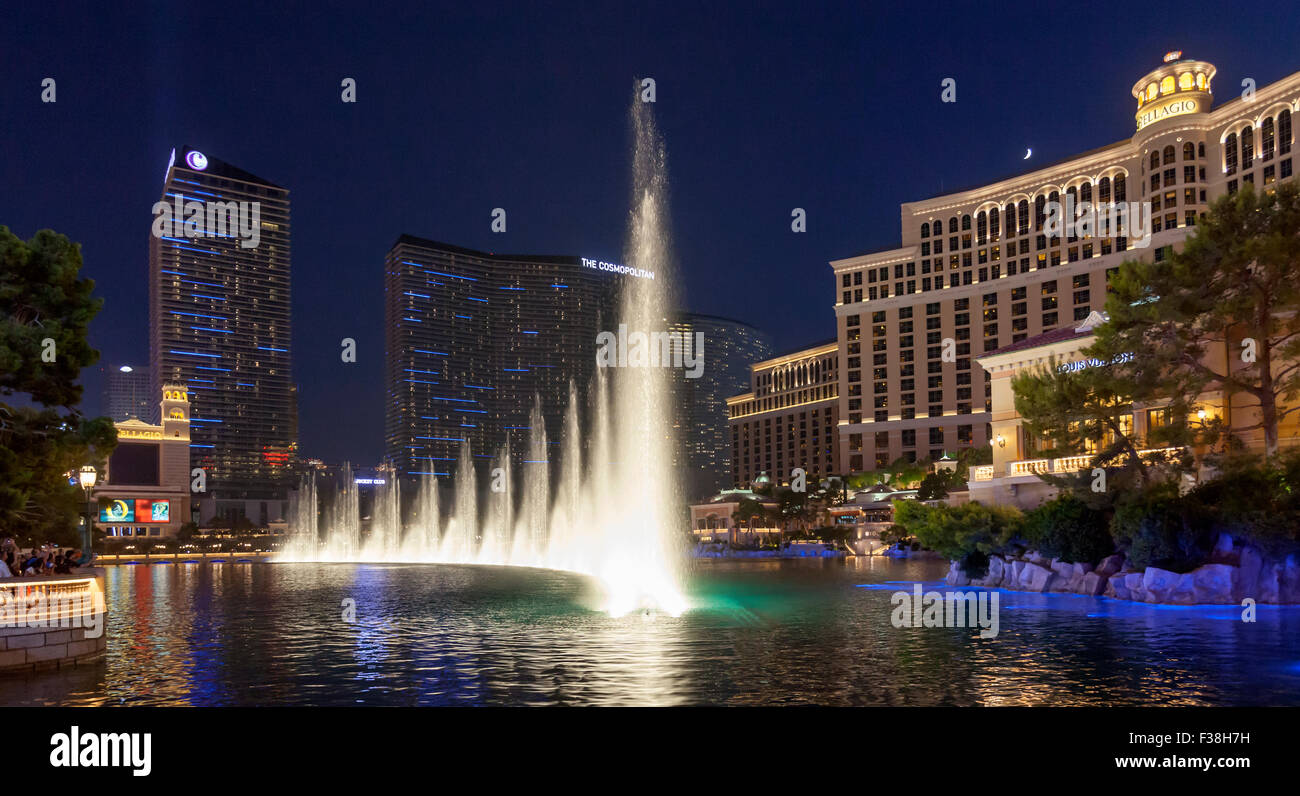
(610, 512)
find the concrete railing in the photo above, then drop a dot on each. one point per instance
(52, 622)
(1065, 464)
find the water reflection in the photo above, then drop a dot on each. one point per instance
(761, 633)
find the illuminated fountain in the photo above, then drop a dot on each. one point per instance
(612, 510)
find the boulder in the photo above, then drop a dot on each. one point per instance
(1012, 579)
(1092, 584)
(1037, 578)
(1183, 591)
(1270, 579)
(1110, 565)
(1158, 584)
(956, 576)
(1245, 578)
(1133, 584)
(1115, 588)
(996, 570)
(1289, 585)
(1212, 584)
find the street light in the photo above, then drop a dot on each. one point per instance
(87, 476)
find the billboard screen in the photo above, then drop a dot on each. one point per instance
(114, 510)
(148, 510)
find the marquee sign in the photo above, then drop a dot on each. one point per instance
(1174, 106)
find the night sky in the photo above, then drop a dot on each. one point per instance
(465, 107)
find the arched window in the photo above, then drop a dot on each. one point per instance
(965, 223)
(952, 224)
(1189, 151)
(994, 226)
(925, 230)
(982, 228)
(1039, 214)
(1024, 217)
(1247, 147)
(1185, 81)
(1200, 149)
(1284, 132)
(1009, 218)
(1230, 154)
(1266, 139)
(1103, 189)
(1167, 85)
(1121, 183)
(1169, 154)
(1085, 192)
(1155, 161)
(1200, 81)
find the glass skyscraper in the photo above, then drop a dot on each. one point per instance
(472, 339)
(219, 321)
(704, 444)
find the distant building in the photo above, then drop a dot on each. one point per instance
(128, 393)
(145, 491)
(703, 452)
(713, 520)
(472, 337)
(219, 323)
(788, 418)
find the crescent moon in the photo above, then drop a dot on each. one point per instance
(1028, 152)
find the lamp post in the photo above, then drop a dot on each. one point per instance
(87, 476)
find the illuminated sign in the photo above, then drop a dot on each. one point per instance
(1176, 107)
(127, 433)
(147, 510)
(1173, 55)
(197, 160)
(111, 510)
(1082, 364)
(369, 481)
(615, 268)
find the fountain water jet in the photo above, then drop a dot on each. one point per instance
(613, 516)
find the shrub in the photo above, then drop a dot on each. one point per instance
(1258, 504)
(1068, 529)
(1161, 529)
(968, 533)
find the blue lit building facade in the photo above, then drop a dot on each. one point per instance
(219, 323)
(472, 338)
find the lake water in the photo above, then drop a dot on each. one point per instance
(765, 632)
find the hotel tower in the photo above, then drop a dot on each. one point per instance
(219, 325)
(979, 270)
(473, 337)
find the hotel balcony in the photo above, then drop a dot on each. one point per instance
(1018, 482)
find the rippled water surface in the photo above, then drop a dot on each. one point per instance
(760, 633)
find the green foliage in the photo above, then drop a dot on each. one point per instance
(1068, 529)
(45, 309)
(933, 487)
(1257, 503)
(968, 533)
(1236, 279)
(1158, 528)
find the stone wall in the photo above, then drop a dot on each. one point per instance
(32, 640)
(1233, 574)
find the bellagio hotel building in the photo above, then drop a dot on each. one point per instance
(977, 266)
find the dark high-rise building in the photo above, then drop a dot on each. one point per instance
(472, 337)
(219, 323)
(128, 393)
(701, 423)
